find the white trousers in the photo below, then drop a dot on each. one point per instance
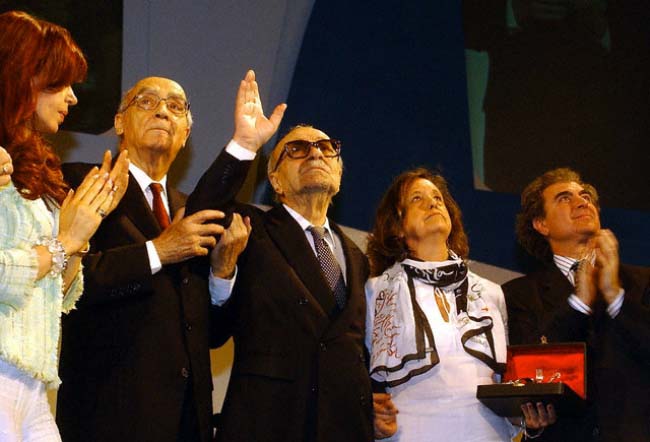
(25, 414)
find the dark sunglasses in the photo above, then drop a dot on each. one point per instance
(299, 149)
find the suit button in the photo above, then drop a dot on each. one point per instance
(303, 301)
(362, 398)
(188, 326)
(185, 372)
(314, 389)
(361, 357)
(186, 281)
(323, 347)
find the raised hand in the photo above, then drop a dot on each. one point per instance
(252, 127)
(188, 237)
(6, 167)
(223, 258)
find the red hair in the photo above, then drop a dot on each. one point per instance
(35, 56)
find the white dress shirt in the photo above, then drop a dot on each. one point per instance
(564, 263)
(216, 285)
(221, 289)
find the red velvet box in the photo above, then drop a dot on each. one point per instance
(547, 373)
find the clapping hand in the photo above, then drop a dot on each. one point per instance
(118, 176)
(607, 265)
(6, 167)
(83, 210)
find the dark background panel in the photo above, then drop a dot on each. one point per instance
(97, 29)
(388, 79)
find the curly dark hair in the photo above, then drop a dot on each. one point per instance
(532, 207)
(385, 246)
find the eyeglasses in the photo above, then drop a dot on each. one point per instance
(176, 105)
(298, 149)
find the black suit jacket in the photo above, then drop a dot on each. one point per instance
(618, 350)
(137, 342)
(299, 372)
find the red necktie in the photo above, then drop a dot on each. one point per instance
(158, 206)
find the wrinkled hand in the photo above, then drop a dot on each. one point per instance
(187, 237)
(119, 177)
(537, 416)
(385, 412)
(6, 167)
(585, 279)
(252, 128)
(607, 265)
(80, 216)
(223, 257)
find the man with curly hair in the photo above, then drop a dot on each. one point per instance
(583, 293)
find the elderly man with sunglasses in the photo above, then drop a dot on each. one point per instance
(296, 306)
(135, 355)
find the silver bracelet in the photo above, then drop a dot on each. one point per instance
(538, 433)
(59, 256)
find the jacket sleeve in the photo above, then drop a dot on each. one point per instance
(18, 259)
(632, 323)
(116, 274)
(219, 186)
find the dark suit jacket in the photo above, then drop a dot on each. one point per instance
(137, 342)
(299, 371)
(618, 350)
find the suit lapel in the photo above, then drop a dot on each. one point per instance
(556, 288)
(176, 200)
(137, 210)
(290, 240)
(355, 281)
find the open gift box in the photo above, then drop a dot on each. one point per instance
(547, 373)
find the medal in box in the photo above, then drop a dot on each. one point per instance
(548, 373)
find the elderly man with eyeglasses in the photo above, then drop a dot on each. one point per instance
(296, 308)
(135, 355)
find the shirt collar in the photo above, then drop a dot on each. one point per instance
(564, 263)
(305, 225)
(145, 180)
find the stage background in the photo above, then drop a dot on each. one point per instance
(387, 78)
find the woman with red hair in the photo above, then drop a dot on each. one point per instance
(45, 225)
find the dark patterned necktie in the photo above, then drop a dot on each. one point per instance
(329, 265)
(158, 206)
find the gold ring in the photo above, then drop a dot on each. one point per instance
(101, 213)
